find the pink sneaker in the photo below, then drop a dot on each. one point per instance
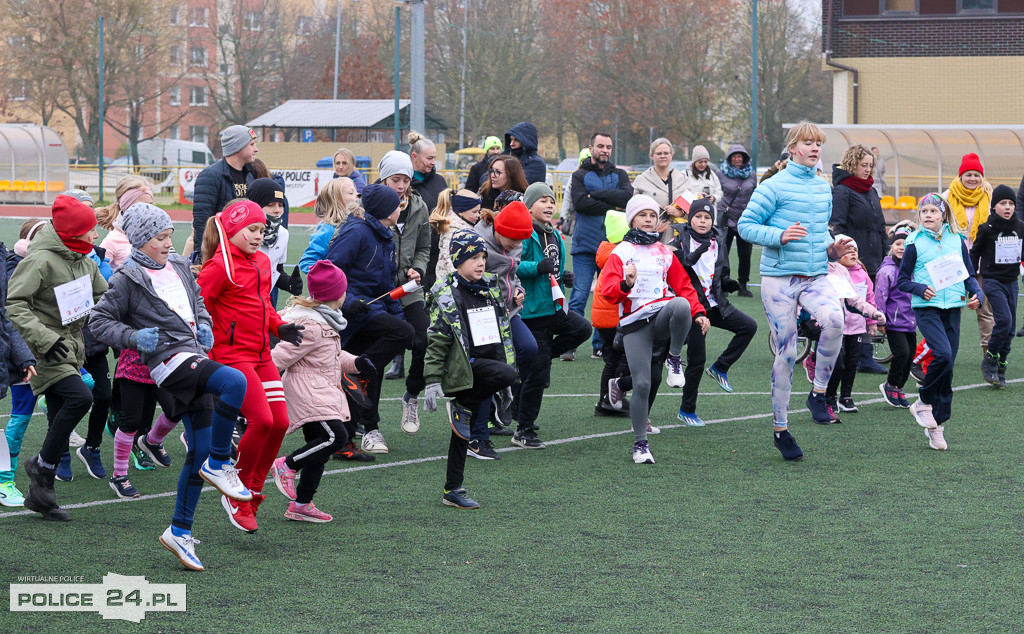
(284, 478)
(809, 365)
(923, 414)
(935, 439)
(306, 513)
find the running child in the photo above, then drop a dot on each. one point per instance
(19, 367)
(154, 306)
(51, 322)
(604, 316)
(938, 272)
(470, 355)
(235, 282)
(789, 215)
(130, 190)
(335, 202)
(701, 248)
(997, 250)
(900, 324)
(455, 211)
(656, 303)
(312, 374)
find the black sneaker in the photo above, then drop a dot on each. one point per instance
(785, 444)
(744, 291)
(1002, 374)
(155, 451)
(501, 416)
(482, 450)
(846, 404)
(597, 354)
(142, 460)
(397, 370)
(990, 369)
(604, 408)
(459, 498)
(917, 372)
(352, 452)
(819, 407)
(360, 430)
(498, 430)
(122, 486)
(891, 394)
(460, 418)
(527, 439)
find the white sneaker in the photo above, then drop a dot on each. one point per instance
(935, 439)
(373, 442)
(75, 440)
(410, 415)
(184, 548)
(923, 414)
(651, 429)
(675, 376)
(226, 481)
(642, 453)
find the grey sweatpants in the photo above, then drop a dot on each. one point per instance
(673, 323)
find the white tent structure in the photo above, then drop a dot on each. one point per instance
(33, 164)
(922, 159)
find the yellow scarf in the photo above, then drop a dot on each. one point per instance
(960, 198)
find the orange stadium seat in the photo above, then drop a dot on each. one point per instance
(888, 202)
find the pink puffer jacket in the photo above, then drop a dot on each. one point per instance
(311, 372)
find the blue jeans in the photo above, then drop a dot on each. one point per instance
(941, 329)
(584, 267)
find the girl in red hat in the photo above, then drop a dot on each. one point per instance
(235, 280)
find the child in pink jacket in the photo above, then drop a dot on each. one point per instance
(312, 377)
(862, 317)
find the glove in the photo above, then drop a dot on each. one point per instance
(146, 339)
(546, 266)
(87, 379)
(295, 282)
(355, 309)
(58, 351)
(879, 317)
(568, 278)
(730, 285)
(205, 336)
(365, 366)
(430, 396)
(292, 333)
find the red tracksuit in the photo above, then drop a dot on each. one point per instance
(243, 320)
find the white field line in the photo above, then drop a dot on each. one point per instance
(557, 441)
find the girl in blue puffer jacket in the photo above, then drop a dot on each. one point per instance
(789, 215)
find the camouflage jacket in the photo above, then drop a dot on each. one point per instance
(448, 339)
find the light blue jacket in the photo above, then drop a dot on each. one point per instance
(921, 249)
(317, 249)
(795, 194)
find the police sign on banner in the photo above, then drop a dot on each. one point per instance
(300, 186)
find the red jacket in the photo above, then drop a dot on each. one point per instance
(243, 317)
(677, 282)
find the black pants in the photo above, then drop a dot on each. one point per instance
(489, 378)
(615, 366)
(98, 367)
(416, 315)
(845, 370)
(137, 405)
(323, 438)
(380, 338)
(555, 334)
(743, 328)
(902, 345)
(743, 250)
(67, 402)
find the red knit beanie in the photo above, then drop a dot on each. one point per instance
(971, 162)
(72, 217)
(239, 216)
(514, 222)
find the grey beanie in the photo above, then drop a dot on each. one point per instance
(142, 222)
(236, 137)
(535, 192)
(699, 152)
(395, 162)
(80, 195)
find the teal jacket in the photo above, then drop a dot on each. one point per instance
(922, 248)
(538, 287)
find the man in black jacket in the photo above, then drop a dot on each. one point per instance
(225, 180)
(477, 173)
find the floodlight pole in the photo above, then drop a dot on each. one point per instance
(417, 81)
(754, 92)
(398, 65)
(101, 111)
(462, 96)
(337, 48)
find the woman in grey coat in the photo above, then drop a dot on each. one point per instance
(738, 178)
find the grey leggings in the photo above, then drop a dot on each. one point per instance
(673, 323)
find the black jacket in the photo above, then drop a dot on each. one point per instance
(213, 190)
(689, 258)
(983, 251)
(478, 174)
(533, 165)
(430, 188)
(859, 215)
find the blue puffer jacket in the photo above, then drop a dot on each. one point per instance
(533, 165)
(595, 191)
(921, 249)
(795, 194)
(365, 250)
(318, 243)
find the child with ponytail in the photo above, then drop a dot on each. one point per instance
(455, 211)
(235, 283)
(334, 204)
(130, 190)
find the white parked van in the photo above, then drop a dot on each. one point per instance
(162, 152)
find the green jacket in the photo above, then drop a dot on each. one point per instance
(412, 243)
(32, 304)
(538, 287)
(447, 359)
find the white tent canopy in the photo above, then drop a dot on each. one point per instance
(921, 159)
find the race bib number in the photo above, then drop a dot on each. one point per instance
(649, 283)
(74, 299)
(946, 271)
(483, 326)
(1008, 250)
(842, 286)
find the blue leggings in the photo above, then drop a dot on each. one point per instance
(207, 434)
(23, 402)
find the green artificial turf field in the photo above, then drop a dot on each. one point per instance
(871, 532)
